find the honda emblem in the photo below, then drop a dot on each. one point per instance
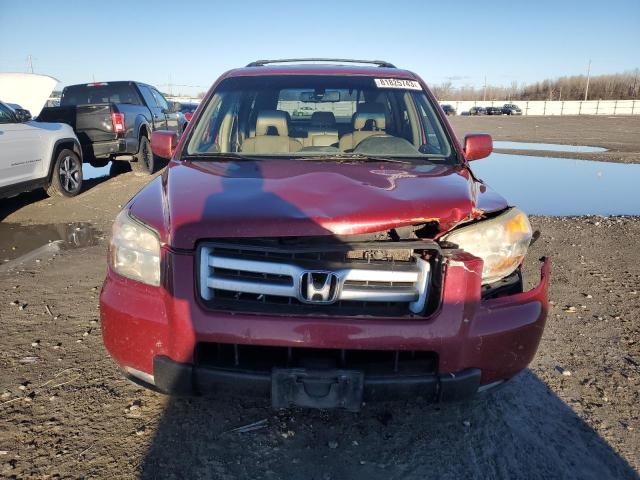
(318, 286)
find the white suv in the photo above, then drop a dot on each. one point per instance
(37, 155)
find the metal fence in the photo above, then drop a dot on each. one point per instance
(557, 107)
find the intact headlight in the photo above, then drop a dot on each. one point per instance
(501, 242)
(135, 250)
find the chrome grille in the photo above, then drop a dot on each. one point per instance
(251, 276)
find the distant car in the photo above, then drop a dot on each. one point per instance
(511, 109)
(303, 112)
(36, 155)
(477, 111)
(448, 109)
(187, 109)
(494, 111)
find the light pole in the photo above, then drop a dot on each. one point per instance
(484, 94)
(586, 89)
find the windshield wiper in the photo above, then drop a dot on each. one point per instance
(340, 157)
(358, 157)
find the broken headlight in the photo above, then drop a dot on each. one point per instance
(134, 250)
(501, 242)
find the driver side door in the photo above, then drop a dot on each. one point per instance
(159, 119)
(172, 118)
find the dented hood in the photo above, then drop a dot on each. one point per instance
(196, 200)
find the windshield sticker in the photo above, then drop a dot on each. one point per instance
(397, 83)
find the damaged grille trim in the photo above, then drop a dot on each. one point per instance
(222, 269)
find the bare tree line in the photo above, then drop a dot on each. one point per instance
(617, 86)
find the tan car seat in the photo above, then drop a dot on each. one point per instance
(365, 125)
(323, 131)
(272, 134)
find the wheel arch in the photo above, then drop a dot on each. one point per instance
(144, 130)
(60, 144)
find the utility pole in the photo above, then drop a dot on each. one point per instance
(586, 89)
(484, 94)
(30, 63)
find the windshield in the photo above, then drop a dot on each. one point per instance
(303, 116)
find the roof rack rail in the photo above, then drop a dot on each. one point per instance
(380, 63)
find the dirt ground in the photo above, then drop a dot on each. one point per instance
(67, 412)
(620, 134)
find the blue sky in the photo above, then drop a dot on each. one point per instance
(193, 42)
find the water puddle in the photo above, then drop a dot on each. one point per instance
(89, 172)
(561, 186)
(111, 169)
(547, 147)
(20, 244)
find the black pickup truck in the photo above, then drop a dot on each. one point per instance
(114, 121)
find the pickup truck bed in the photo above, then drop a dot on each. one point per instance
(94, 127)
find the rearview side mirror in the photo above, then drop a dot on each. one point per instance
(477, 146)
(164, 143)
(22, 115)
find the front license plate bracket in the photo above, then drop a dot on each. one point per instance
(317, 388)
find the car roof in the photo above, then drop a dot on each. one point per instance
(321, 69)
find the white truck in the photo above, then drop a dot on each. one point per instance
(37, 155)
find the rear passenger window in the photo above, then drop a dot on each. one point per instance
(99, 93)
(302, 103)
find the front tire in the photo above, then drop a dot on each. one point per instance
(66, 178)
(144, 162)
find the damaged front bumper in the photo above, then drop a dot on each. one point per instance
(153, 333)
(313, 388)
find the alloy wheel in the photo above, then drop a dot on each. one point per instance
(69, 172)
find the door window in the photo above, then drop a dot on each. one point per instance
(148, 97)
(162, 103)
(6, 115)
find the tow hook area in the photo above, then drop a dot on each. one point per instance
(317, 389)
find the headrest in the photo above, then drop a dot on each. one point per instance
(370, 120)
(323, 119)
(272, 119)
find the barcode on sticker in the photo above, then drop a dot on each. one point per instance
(397, 83)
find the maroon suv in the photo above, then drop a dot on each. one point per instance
(344, 255)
